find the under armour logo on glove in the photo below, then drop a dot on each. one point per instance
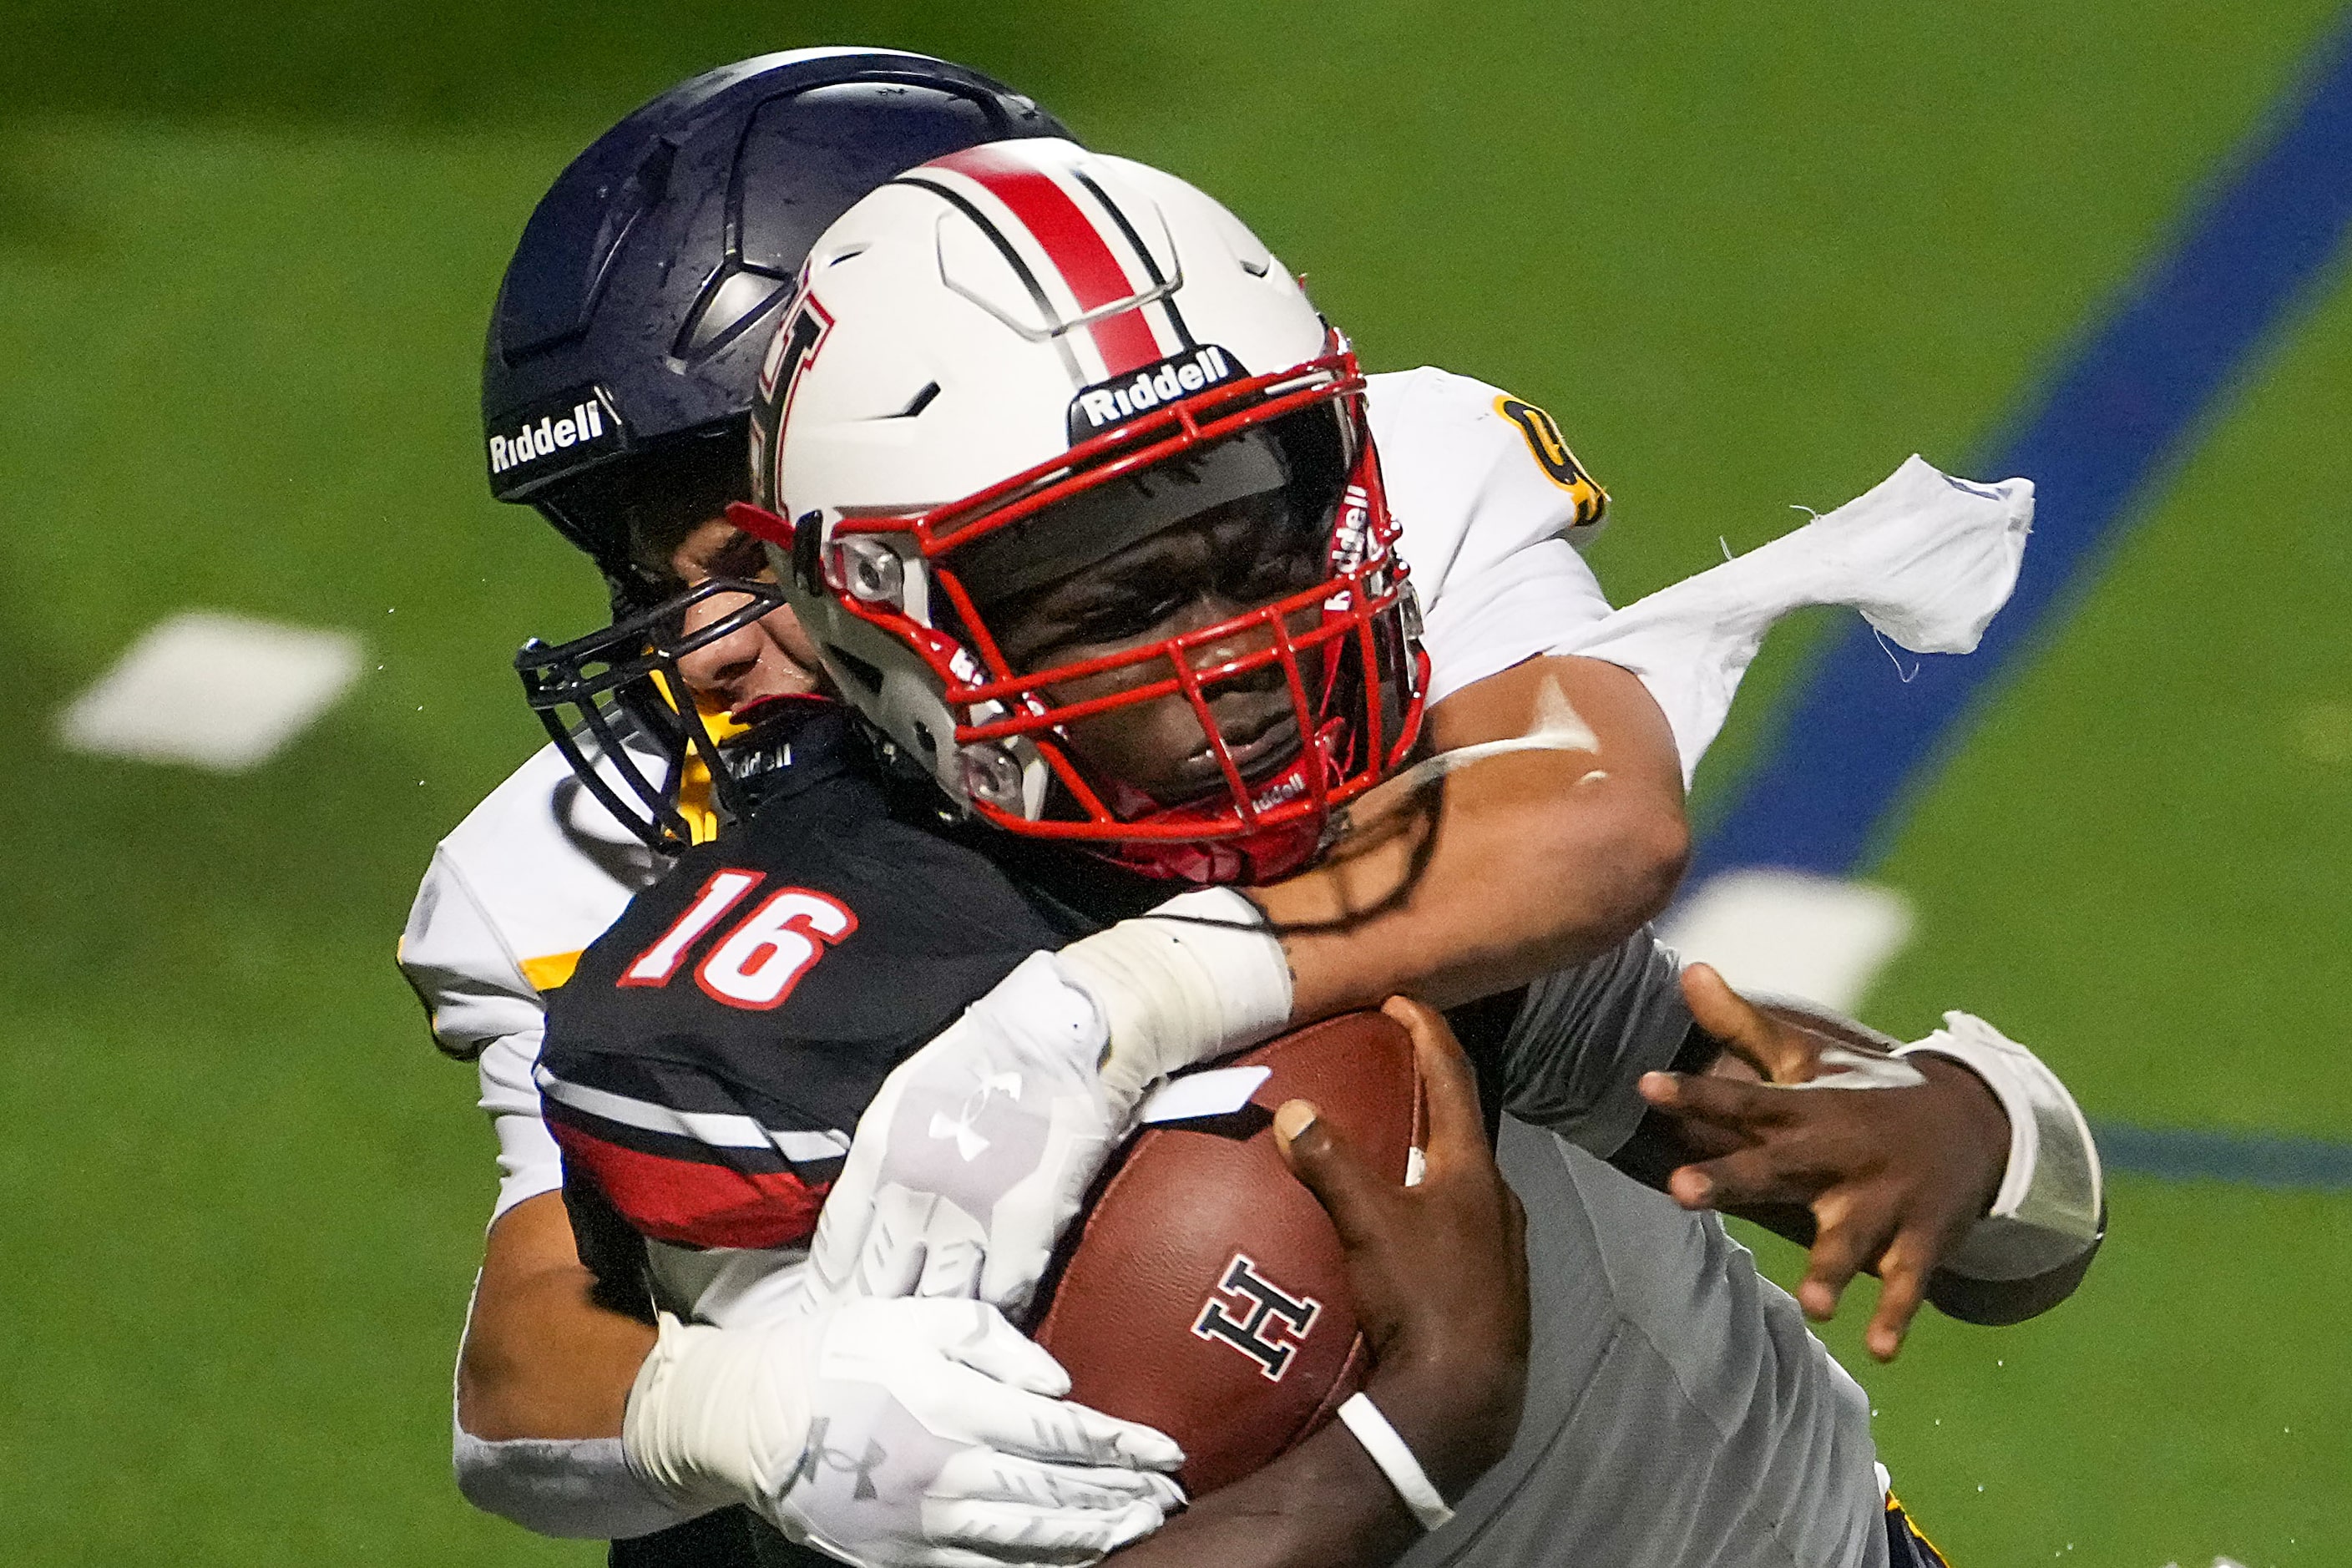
(975, 1152)
(860, 1465)
(962, 1126)
(1272, 1319)
(910, 1434)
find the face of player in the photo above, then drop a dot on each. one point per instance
(773, 657)
(1207, 569)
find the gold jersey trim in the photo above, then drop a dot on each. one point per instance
(551, 971)
(1550, 449)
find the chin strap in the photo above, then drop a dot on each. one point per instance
(1197, 977)
(2050, 1208)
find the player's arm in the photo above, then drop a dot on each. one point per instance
(584, 1415)
(551, 1344)
(1956, 1169)
(1654, 1069)
(543, 1365)
(1439, 1276)
(543, 1380)
(548, 1353)
(1448, 885)
(533, 1305)
(1523, 863)
(1454, 888)
(1437, 1273)
(1460, 884)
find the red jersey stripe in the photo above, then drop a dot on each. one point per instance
(695, 1205)
(1074, 245)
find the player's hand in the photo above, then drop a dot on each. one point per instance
(1894, 1160)
(1438, 1271)
(975, 1154)
(928, 1434)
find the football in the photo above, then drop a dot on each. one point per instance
(1203, 1292)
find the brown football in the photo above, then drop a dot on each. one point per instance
(1203, 1292)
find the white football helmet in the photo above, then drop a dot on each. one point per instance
(1013, 361)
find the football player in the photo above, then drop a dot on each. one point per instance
(1186, 633)
(901, 1428)
(616, 389)
(1532, 448)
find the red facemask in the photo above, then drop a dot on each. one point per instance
(1354, 675)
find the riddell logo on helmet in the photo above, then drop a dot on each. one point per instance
(1098, 407)
(1353, 531)
(584, 421)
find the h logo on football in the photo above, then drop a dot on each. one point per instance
(1271, 1320)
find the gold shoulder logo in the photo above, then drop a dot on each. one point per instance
(1552, 456)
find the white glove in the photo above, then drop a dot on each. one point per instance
(979, 1148)
(921, 1433)
(975, 1154)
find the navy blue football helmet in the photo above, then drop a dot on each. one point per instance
(624, 354)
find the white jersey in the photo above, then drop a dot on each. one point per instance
(1677, 1407)
(1484, 525)
(512, 897)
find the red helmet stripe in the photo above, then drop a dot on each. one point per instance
(1073, 244)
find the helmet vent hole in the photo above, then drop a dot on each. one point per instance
(920, 402)
(731, 304)
(865, 674)
(808, 537)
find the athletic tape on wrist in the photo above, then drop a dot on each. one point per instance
(2052, 1206)
(1396, 1461)
(718, 1416)
(1196, 977)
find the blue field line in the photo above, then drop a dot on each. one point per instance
(2111, 427)
(2252, 1159)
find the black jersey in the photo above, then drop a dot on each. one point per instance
(707, 1062)
(708, 1059)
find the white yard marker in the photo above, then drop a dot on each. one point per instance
(1815, 937)
(212, 691)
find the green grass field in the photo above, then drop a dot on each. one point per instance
(1749, 256)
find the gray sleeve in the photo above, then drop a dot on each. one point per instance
(1585, 1035)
